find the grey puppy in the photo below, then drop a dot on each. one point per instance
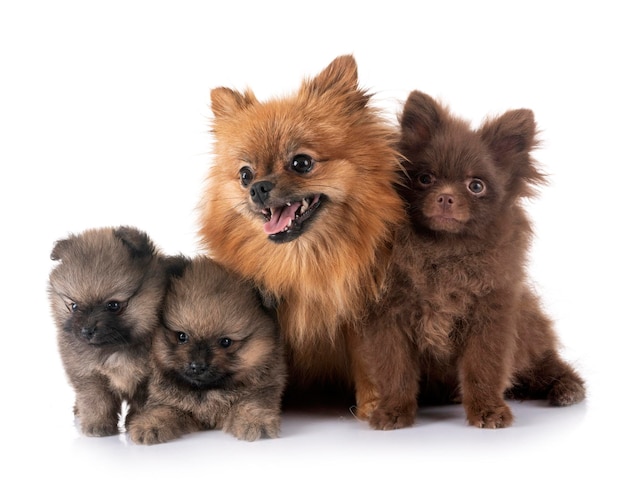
(217, 358)
(106, 293)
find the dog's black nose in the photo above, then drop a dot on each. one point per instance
(197, 368)
(260, 191)
(88, 332)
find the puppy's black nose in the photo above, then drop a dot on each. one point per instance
(260, 191)
(197, 368)
(88, 332)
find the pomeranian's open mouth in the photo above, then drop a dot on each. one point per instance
(287, 222)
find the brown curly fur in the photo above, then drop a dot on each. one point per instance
(461, 318)
(322, 279)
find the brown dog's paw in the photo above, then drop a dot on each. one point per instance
(255, 429)
(566, 392)
(95, 427)
(492, 416)
(150, 434)
(99, 429)
(391, 419)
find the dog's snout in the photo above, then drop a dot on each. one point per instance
(445, 201)
(260, 191)
(88, 332)
(197, 368)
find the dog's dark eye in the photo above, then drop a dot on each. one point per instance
(301, 163)
(225, 342)
(425, 179)
(246, 175)
(476, 186)
(72, 307)
(113, 306)
(182, 337)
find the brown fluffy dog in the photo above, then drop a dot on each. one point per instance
(468, 320)
(105, 294)
(218, 362)
(301, 200)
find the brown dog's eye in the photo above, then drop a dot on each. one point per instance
(182, 337)
(246, 175)
(301, 163)
(72, 307)
(225, 342)
(114, 306)
(476, 186)
(425, 179)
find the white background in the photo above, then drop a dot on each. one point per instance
(104, 113)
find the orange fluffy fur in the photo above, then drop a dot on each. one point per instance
(321, 280)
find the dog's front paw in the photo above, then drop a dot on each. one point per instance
(254, 429)
(99, 428)
(490, 416)
(157, 426)
(392, 418)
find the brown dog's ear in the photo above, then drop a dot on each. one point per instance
(340, 76)
(59, 249)
(175, 265)
(225, 101)
(137, 241)
(510, 138)
(511, 133)
(421, 117)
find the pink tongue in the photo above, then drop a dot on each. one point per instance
(280, 218)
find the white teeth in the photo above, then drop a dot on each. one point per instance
(289, 204)
(305, 206)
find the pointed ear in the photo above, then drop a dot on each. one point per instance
(59, 249)
(510, 138)
(225, 102)
(421, 117)
(137, 241)
(340, 75)
(511, 133)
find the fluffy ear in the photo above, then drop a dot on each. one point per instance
(339, 76)
(511, 133)
(59, 249)
(175, 265)
(510, 138)
(137, 241)
(421, 117)
(225, 102)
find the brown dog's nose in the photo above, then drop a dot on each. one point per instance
(445, 201)
(260, 191)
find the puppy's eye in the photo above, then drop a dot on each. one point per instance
(425, 179)
(225, 342)
(246, 175)
(72, 306)
(114, 306)
(476, 186)
(301, 163)
(182, 337)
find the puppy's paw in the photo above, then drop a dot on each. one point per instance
(251, 429)
(157, 426)
(566, 392)
(99, 429)
(490, 416)
(152, 434)
(392, 418)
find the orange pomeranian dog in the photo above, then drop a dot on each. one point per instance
(301, 199)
